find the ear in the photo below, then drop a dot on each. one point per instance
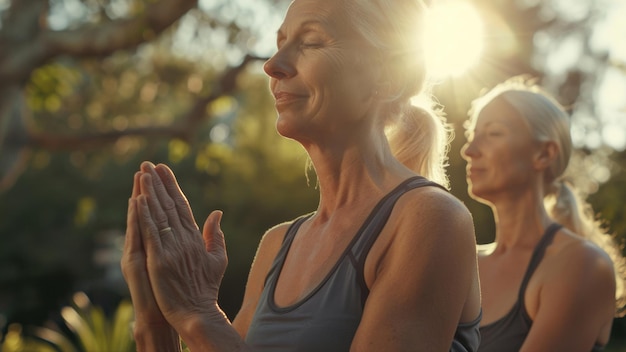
(546, 153)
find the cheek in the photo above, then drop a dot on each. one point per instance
(346, 72)
(522, 159)
(327, 66)
(324, 78)
(516, 168)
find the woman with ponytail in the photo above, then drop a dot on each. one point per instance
(387, 260)
(552, 280)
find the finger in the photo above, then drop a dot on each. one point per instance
(132, 241)
(134, 270)
(158, 215)
(212, 234)
(131, 247)
(161, 194)
(149, 231)
(136, 188)
(180, 200)
(165, 225)
(133, 258)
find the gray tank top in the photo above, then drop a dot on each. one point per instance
(327, 318)
(508, 333)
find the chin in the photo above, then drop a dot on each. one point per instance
(477, 194)
(284, 128)
(288, 129)
(482, 199)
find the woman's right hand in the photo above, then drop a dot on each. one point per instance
(185, 266)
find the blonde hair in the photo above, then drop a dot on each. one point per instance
(420, 140)
(418, 135)
(548, 121)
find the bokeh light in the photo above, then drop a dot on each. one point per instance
(453, 38)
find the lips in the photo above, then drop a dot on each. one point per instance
(283, 99)
(471, 171)
(286, 97)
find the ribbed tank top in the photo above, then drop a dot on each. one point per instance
(508, 333)
(327, 318)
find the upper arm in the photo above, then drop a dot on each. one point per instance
(266, 252)
(575, 307)
(423, 278)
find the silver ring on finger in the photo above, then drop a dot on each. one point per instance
(162, 231)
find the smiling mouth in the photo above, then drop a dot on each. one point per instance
(473, 171)
(283, 98)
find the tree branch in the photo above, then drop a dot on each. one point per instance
(101, 39)
(185, 129)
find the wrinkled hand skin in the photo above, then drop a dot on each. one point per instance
(185, 267)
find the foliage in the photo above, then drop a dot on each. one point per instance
(609, 198)
(90, 328)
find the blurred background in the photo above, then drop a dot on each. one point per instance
(90, 88)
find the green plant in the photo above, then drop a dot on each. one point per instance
(93, 330)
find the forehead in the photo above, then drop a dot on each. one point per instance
(331, 14)
(501, 112)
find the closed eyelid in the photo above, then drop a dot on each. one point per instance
(495, 130)
(306, 28)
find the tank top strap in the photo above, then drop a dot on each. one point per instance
(373, 225)
(293, 229)
(537, 255)
(377, 219)
(284, 247)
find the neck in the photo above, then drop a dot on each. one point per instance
(520, 220)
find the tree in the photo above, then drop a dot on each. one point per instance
(50, 57)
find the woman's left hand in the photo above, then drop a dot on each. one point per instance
(151, 330)
(185, 268)
(133, 264)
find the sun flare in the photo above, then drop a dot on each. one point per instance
(453, 38)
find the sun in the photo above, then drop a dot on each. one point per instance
(453, 38)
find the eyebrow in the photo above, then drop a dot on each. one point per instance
(306, 26)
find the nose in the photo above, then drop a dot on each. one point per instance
(469, 150)
(280, 65)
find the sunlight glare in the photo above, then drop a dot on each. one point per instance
(453, 39)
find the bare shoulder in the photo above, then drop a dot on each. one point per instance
(268, 247)
(270, 244)
(267, 250)
(422, 273)
(581, 254)
(433, 209)
(579, 263)
(574, 295)
(273, 238)
(432, 222)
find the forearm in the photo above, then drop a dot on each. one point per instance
(212, 332)
(156, 339)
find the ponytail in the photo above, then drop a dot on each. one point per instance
(420, 140)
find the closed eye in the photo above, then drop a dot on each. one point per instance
(310, 45)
